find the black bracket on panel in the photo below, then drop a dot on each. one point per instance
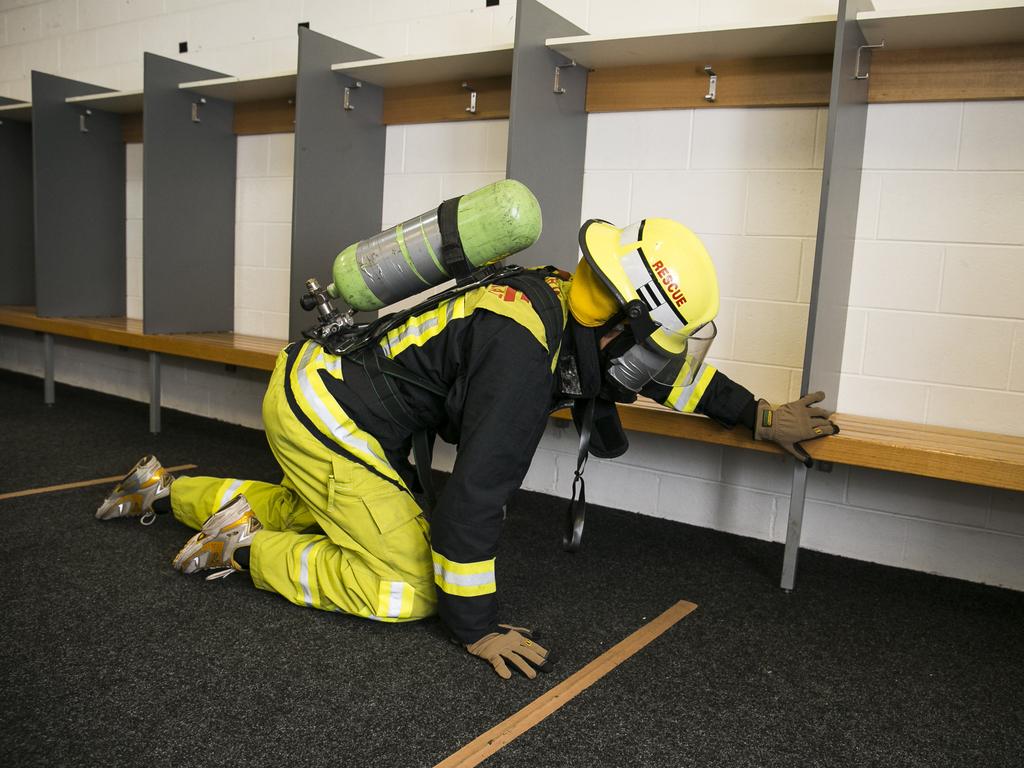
(557, 87)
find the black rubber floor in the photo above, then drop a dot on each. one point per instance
(109, 657)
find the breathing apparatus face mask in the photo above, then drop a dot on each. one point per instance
(629, 365)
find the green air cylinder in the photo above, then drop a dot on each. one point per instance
(493, 222)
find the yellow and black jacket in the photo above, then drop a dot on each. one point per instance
(494, 352)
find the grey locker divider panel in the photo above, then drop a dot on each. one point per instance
(17, 242)
(79, 203)
(339, 166)
(837, 214)
(547, 133)
(188, 204)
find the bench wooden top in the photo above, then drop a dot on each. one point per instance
(982, 458)
(227, 348)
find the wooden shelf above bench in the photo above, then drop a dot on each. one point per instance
(128, 104)
(430, 90)
(928, 56)
(121, 102)
(796, 38)
(262, 104)
(996, 24)
(20, 111)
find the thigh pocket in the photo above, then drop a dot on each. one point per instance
(382, 519)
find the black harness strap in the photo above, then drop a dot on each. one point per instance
(423, 455)
(384, 389)
(348, 341)
(453, 257)
(545, 303)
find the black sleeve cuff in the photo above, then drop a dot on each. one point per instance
(727, 402)
(748, 416)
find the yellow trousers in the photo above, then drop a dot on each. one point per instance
(370, 553)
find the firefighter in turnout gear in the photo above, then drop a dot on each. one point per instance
(481, 368)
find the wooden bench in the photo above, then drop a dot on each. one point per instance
(228, 348)
(966, 456)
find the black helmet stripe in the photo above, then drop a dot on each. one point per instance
(650, 296)
(657, 281)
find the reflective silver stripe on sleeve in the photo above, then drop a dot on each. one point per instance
(342, 434)
(307, 595)
(463, 580)
(687, 392)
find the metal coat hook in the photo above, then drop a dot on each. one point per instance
(195, 108)
(856, 67)
(712, 83)
(347, 100)
(81, 121)
(472, 97)
(557, 87)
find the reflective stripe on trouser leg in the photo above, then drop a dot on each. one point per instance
(394, 600)
(311, 571)
(195, 499)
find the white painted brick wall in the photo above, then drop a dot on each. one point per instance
(263, 214)
(939, 267)
(133, 230)
(938, 255)
(747, 181)
(427, 163)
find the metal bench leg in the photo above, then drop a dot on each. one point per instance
(48, 391)
(796, 521)
(154, 393)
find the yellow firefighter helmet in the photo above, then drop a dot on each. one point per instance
(657, 262)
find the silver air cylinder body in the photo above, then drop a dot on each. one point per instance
(491, 223)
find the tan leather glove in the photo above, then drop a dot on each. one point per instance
(511, 645)
(790, 424)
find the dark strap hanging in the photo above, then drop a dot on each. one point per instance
(576, 513)
(423, 455)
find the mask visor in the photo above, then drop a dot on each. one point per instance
(697, 346)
